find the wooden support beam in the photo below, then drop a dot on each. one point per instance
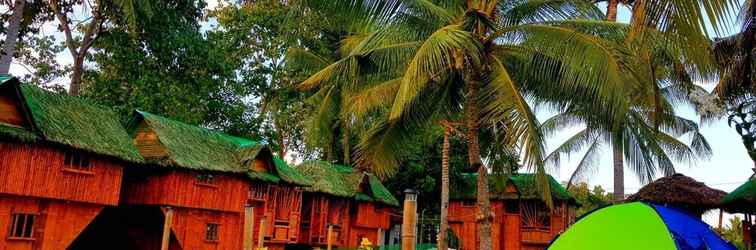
(249, 227)
(167, 228)
(261, 233)
(329, 236)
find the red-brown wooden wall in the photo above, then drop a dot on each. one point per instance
(283, 208)
(319, 212)
(507, 230)
(189, 229)
(57, 223)
(38, 171)
(369, 218)
(181, 189)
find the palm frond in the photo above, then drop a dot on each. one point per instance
(437, 54)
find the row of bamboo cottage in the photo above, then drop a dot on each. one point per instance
(74, 178)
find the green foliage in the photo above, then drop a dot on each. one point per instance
(38, 56)
(259, 33)
(168, 68)
(589, 199)
(734, 233)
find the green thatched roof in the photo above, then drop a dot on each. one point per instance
(742, 199)
(289, 174)
(198, 148)
(524, 183)
(343, 181)
(70, 121)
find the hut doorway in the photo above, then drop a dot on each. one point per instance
(124, 228)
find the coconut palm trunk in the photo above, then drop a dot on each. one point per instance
(345, 143)
(619, 171)
(9, 47)
(472, 123)
(444, 220)
(611, 10)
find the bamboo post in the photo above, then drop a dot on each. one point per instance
(261, 234)
(409, 219)
(329, 238)
(721, 214)
(167, 228)
(249, 227)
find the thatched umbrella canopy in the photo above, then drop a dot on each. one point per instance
(742, 199)
(682, 192)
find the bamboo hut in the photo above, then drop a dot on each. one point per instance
(200, 189)
(61, 164)
(352, 203)
(682, 192)
(521, 219)
(743, 200)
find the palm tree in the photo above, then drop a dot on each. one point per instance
(650, 146)
(456, 57)
(665, 38)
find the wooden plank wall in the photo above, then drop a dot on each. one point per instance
(147, 142)
(57, 223)
(283, 210)
(10, 111)
(189, 227)
(370, 215)
(181, 189)
(507, 230)
(38, 171)
(325, 210)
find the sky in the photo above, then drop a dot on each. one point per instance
(729, 166)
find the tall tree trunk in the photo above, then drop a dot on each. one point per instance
(77, 70)
(330, 148)
(79, 50)
(345, 143)
(473, 151)
(11, 36)
(444, 227)
(611, 10)
(619, 171)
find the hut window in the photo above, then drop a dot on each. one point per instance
(512, 207)
(468, 203)
(21, 226)
(207, 180)
(535, 214)
(77, 161)
(211, 231)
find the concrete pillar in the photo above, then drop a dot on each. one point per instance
(409, 219)
(249, 227)
(167, 228)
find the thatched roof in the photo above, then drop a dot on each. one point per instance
(742, 199)
(69, 121)
(525, 185)
(196, 148)
(343, 181)
(680, 191)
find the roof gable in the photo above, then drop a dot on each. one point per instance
(500, 186)
(344, 181)
(192, 147)
(73, 122)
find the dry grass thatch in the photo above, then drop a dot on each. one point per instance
(680, 191)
